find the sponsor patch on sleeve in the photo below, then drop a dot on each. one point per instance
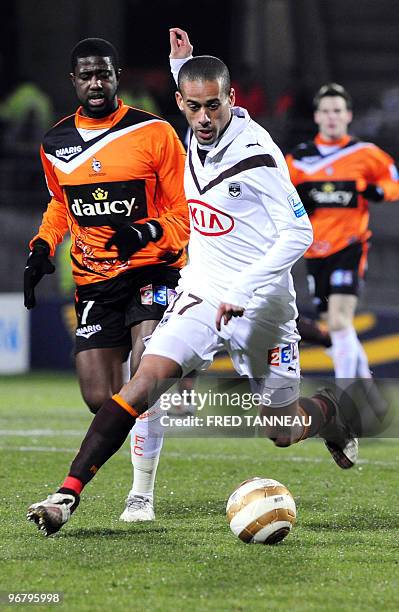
(171, 293)
(296, 204)
(341, 278)
(160, 295)
(394, 172)
(146, 295)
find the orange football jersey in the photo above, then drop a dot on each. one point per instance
(334, 174)
(102, 173)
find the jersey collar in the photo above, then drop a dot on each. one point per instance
(340, 142)
(239, 121)
(100, 124)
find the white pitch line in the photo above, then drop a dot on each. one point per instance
(294, 458)
(25, 433)
(203, 457)
(39, 449)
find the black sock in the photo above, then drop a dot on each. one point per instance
(106, 434)
(320, 410)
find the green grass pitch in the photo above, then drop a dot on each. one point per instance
(343, 553)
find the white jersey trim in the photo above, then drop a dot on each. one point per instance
(316, 166)
(69, 167)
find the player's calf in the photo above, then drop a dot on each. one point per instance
(299, 420)
(319, 415)
(106, 434)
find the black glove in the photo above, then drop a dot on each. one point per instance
(129, 239)
(373, 193)
(307, 200)
(37, 265)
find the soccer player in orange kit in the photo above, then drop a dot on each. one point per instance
(115, 177)
(336, 175)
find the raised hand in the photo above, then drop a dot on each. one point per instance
(180, 46)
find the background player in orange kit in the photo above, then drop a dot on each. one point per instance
(115, 176)
(336, 175)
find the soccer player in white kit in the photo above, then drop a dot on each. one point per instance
(248, 228)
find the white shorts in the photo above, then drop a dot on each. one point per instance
(265, 352)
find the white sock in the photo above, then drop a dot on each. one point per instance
(363, 368)
(345, 352)
(146, 445)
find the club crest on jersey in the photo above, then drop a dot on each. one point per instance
(96, 165)
(208, 220)
(235, 190)
(68, 152)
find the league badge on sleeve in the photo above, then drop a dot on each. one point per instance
(171, 294)
(160, 295)
(296, 204)
(146, 295)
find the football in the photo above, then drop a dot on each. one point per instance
(261, 511)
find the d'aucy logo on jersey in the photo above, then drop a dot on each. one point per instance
(68, 152)
(97, 204)
(208, 220)
(333, 194)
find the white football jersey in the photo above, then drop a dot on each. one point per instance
(248, 224)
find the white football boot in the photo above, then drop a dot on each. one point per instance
(138, 508)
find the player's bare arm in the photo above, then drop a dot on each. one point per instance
(226, 312)
(180, 46)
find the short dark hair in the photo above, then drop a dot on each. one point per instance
(97, 47)
(205, 68)
(332, 89)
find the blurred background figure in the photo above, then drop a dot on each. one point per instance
(249, 91)
(26, 113)
(134, 91)
(336, 176)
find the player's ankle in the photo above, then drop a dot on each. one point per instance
(72, 485)
(66, 491)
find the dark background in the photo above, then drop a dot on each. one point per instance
(292, 46)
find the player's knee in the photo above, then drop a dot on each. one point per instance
(338, 320)
(281, 425)
(280, 436)
(94, 400)
(93, 408)
(282, 441)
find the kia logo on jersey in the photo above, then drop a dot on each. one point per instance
(209, 221)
